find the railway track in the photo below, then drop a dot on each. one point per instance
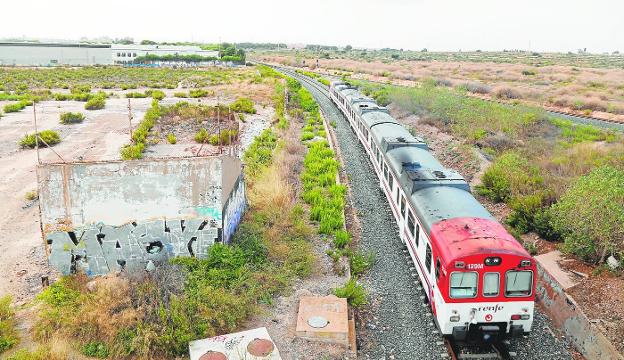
(496, 350)
(580, 119)
(395, 324)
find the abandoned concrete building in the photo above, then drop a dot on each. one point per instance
(109, 216)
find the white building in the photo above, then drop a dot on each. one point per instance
(125, 54)
(53, 54)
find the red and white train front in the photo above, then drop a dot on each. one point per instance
(485, 280)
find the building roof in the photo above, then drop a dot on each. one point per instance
(39, 44)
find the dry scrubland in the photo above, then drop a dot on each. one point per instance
(295, 205)
(586, 84)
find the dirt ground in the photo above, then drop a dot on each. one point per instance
(99, 137)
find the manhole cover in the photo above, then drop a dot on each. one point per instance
(213, 355)
(260, 347)
(317, 322)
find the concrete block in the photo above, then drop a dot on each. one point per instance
(323, 319)
(550, 262)
(254, 344)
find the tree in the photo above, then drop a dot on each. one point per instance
(348, 47)
(148, 42)
(124, 41)
(423, 50)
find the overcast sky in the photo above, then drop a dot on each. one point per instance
(539, 25)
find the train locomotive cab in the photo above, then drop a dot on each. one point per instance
(485, 280)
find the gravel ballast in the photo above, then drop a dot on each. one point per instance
(395, 324)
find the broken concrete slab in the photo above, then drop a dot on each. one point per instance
(254, 344)
(550, 262)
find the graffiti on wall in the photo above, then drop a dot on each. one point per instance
(234, 210)
(100, 249)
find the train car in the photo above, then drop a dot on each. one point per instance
(479, 281)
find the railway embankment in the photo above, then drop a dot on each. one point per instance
(395, 324)
(566, 313)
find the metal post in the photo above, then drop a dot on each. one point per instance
(130, 118)
(219, 125)
(36, 132)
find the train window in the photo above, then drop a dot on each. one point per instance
(402, 207)
(428, 259)
(410, 223)
(518, 283)
(463, 285)
(417, 235)
(391, 182)
(398, 194)
(385, 171)
(491, 284)
(437, 270)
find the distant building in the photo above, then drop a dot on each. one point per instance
(53, 54)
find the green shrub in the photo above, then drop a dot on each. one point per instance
(132, 152)
(353, 292)
(8, 334)
(9, 108)
(155, 94)
(171, 138)
(181, 95)
(96, 103)
(511, 174)
(136, 95)
(307, 135)
(260, 152)
(49, 137)
(96, 349)
(202, 136)
(360, 263)
(524, 209)
(243, 105)
(71, 118)
(342, 239)
(198, 93)
(590, 214)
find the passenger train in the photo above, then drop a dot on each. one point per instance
(479, 281)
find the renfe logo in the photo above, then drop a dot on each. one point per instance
(488, 317)
(494, 308)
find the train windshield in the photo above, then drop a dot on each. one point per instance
(518, 283)
(463, 285)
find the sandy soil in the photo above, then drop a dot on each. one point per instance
(23, 261)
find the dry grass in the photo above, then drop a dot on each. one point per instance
(573, 88)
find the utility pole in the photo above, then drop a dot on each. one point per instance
(219, 125)
(130, 118)
(36, 132)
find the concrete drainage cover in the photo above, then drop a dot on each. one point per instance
(213, 355)
(317, 322)
(260, 347)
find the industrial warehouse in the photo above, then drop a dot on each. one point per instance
(76, 54)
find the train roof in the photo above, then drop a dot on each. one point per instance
(466, 236)
(378, 116)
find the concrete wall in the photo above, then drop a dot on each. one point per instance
(109, 216)
(569, 317)
(53, 54)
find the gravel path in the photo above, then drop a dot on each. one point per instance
(395, 324)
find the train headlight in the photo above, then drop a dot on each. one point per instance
(454, 318)
(493, 261)
(525, 263)
(520, 317)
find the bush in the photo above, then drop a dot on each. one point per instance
(96, 103)
(202, 136)
(342, 239)
(49, 137)
(8, 334)
(198, 93)
(72, 118)
(590, 215)
(132, 152)
(31, 195)
(529, 72)
(181, 95)
(353, 292)
(507, 93)
(9, 108)
(171, 138)
(243, 105)
(360, 263)
(155, 94)
(477, 88)
(96, 349)
(136, 95)
(509, 175)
